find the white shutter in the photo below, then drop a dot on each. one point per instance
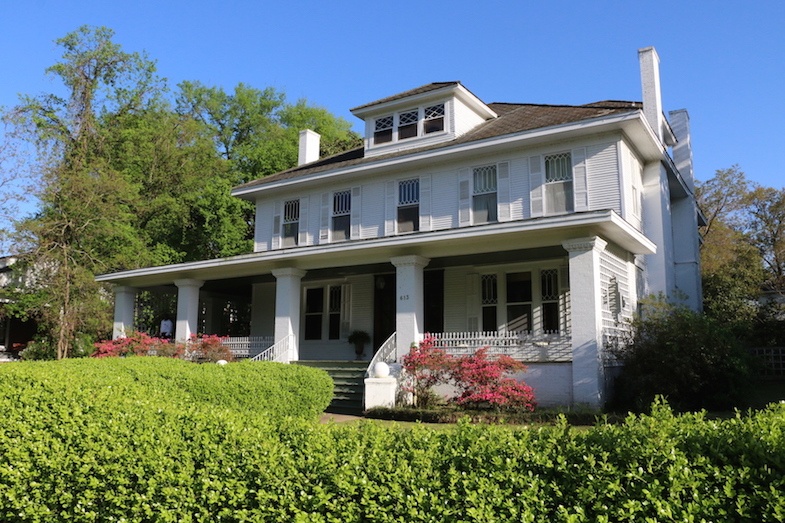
(580, 183)
(324, 222)
(356, 214)
(276, 240)
(536, 186)
(390, 208)
(503, 191)
(303, 225)
(464, 198)
(425, 203)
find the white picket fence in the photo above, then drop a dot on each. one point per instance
(522, 346)
(243, 347)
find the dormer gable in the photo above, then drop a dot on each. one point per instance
(430, 114)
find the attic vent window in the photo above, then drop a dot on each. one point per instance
(434, 119)
(407, 124)
(383, 130)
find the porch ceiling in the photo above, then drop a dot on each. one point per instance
(464, 242)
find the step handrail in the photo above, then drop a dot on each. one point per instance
(279, 351)
(386, 353)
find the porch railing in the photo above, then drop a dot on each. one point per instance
(522, 346)
(243, 347)
(386, 353)
(279, 351)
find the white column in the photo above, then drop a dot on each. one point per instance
(410, 301)
(124, 304)
(187, 308)
(586, 314)
(287, 308)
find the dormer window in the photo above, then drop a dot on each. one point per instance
(407, 124)
(434, 119)
(383, 130)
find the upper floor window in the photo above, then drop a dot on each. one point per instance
(342, 210)
(383, 130)
(558, 184)
(291, 223)
(434, 119)
(407, 124)
(409, 205)
(484, 195)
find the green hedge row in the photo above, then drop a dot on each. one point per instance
(70, 458)
(265, 388)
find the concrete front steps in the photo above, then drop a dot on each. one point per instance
(349, 380)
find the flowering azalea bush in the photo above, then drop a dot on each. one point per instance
(482, 382)
(199, 348)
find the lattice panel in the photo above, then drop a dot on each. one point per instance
(409, 192)
(488, 284)
(342, 203)
(558, 168)
(434, 111)
(291, 211)
(407, 117)
(384, 123)
(485, 179)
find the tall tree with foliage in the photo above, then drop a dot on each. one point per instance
(84, 224)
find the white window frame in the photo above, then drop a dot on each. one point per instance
(291, 215)
(329, 311)
(392, 123)
(484, 187)
(564, 179)
(408, 198)
(340, 209)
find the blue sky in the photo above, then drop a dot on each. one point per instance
(723, 61)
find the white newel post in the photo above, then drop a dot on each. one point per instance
(187, 308)
(410, 302)
(586, 311)
(287, 308)
(124, 302)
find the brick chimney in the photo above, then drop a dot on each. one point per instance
(650, 83)
(309, 147)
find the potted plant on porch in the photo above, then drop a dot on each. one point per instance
(359, 339)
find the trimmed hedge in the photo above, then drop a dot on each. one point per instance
(68, 457)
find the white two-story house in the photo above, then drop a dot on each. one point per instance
(531, 229)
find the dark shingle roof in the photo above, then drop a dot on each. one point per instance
(418, 90)
(512, 118)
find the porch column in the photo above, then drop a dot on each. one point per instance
(410, 298)
(187, 308)
(124, 302)
(287, 308)
(586, 315)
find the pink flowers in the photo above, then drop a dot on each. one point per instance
(199, 348)
(481, 381)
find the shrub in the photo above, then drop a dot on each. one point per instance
(138, 344)
(687, 357)
(208, 348)
(481, 381)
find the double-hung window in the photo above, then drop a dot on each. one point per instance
(433, 119)
(484, 195)
(323, 313)
(558, 184)
(549, 295)
(342, 210)
(490, 300)
(291, 223)
(514, 302)
(519, 301)
(383, 130)
(407, 124)
(409, 205)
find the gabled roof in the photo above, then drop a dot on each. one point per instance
(512, 118)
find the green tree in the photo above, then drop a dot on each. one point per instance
(767, 232)
(84, 223)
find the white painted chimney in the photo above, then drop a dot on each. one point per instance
(650, 83)
(309, 147)
(682, 150)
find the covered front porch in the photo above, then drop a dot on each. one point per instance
(543, 298)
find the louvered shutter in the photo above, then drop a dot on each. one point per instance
(324, 221)
(303, 225)
(425, 203)
(390, 208)
(503, 191)
(536, 185)
(464, 198)
(276, 239)
(356, 213)
(579, 179)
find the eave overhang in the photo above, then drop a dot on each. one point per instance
(490, 239)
